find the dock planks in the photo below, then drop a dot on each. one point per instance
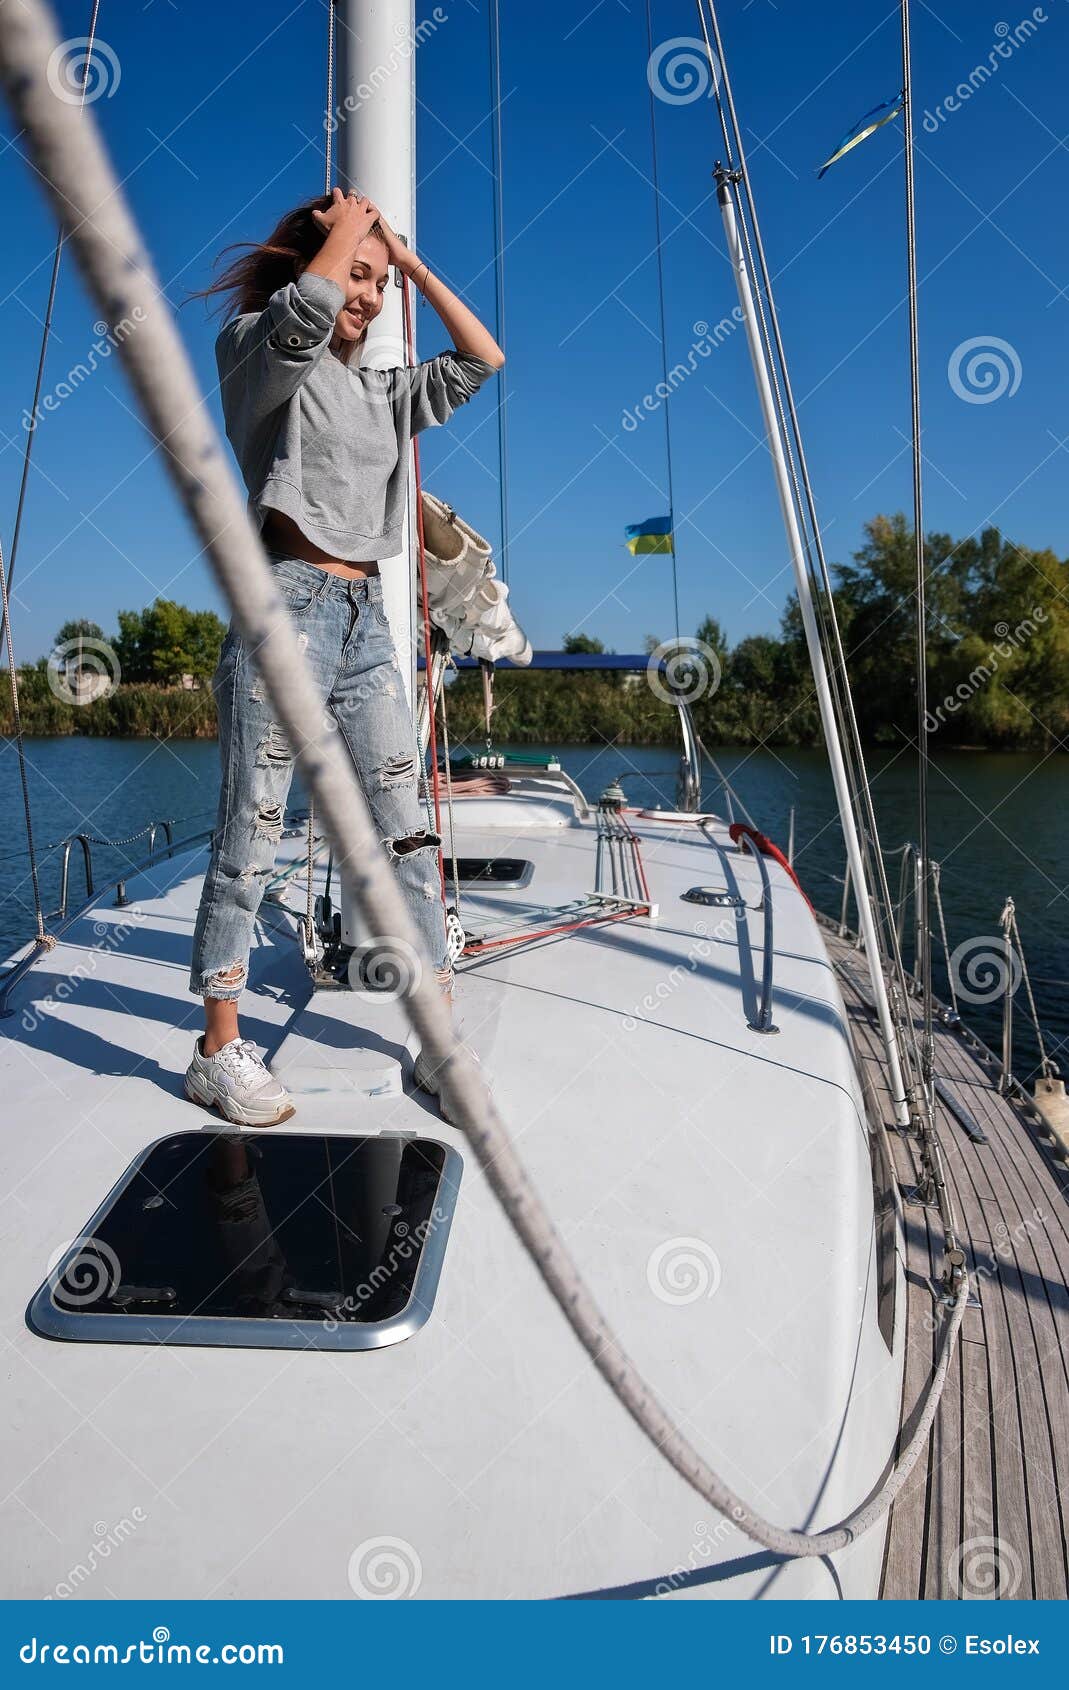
(984, 1514)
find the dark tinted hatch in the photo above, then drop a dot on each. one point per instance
(220, 1228)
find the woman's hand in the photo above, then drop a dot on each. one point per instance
(349, 217)
(400, 255)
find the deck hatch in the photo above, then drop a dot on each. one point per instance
(505, 873)
(279, 1241)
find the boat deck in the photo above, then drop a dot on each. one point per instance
(984, 1514)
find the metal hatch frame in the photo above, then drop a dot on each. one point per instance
(46, 1320)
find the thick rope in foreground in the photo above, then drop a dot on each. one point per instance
(69, 156)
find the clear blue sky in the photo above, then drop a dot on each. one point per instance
(215, 125)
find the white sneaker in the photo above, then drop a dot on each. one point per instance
(238, 1083)
(428, 1078)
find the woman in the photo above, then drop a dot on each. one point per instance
(323, 445)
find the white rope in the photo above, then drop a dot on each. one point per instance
(937, 891)
(68, 155)
(1008, 923)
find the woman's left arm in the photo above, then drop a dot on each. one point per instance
(469, 335)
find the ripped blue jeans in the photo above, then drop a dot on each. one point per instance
(346, 638)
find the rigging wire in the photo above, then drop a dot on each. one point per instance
(499, 281)
(46, 331)
(824, 603)
(7, 572)
(660, 304)
(923, 894)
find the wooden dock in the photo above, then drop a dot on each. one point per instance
(984, 1513)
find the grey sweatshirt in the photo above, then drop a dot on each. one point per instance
(324, 443)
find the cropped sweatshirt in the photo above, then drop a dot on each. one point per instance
(324, 443)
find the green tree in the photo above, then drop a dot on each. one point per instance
(582, 644)
(77, 629)
(167, 641)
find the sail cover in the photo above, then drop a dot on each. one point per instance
(466, 600)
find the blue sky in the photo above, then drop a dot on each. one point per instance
(215, 124)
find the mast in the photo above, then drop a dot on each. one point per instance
(375, 112)
(725, 181)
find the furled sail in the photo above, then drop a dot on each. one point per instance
(466, 600)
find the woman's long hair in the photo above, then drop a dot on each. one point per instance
(249, 281)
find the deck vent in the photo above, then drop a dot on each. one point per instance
(291, 1241)
(718, 897)
(504, 873)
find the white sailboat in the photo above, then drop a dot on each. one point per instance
(341, 1359)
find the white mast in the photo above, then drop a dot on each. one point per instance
(375, 114)
(816, 655)
(376, 118)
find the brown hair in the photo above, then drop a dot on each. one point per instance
(248, 282)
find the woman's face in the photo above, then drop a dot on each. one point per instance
(368, 281)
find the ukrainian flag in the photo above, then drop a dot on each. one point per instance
(863, 128)
(653, 535)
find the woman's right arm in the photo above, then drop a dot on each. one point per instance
(264, 359)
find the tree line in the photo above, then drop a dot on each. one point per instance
(998, 665)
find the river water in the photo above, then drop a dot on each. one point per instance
(998, 827)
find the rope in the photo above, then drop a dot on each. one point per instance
(937, 875)
(328, 175)
(309, 904)
(69, 158)
(428, 655)
(447, 765)
(1008, 923)
(527, 937)
(501, 395)
(132, 838)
